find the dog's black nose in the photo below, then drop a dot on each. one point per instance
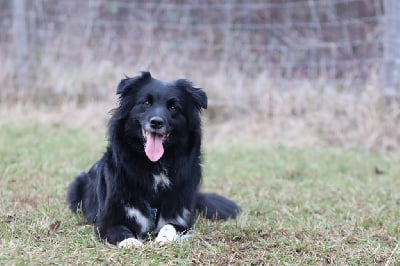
(156, 122)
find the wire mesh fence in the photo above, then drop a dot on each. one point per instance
(341, 41)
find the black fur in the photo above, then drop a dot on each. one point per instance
(126, 178)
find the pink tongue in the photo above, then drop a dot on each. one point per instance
(154, 148)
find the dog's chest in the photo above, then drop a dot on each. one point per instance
(161, 180)
(145, 216)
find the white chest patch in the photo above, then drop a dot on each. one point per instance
(142, 220)
(161, 180)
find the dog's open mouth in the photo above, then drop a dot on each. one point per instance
(153, 147)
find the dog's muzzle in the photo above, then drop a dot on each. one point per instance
(155, 133)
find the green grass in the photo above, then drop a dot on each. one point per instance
(300, 205)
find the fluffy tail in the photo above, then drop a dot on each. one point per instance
(214, 206)
(75, 192)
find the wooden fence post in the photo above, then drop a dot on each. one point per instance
(391, 49)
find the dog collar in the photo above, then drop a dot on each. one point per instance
(153, 214)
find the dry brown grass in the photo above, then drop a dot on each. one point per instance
(240, 110)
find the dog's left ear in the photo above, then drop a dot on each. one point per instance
(198, 95)
(126, 84)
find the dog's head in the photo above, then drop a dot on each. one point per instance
(156, 113)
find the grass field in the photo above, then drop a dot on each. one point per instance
(305, 205)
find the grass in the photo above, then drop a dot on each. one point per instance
(306, 205)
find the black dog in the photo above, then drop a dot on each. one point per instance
(148, 179)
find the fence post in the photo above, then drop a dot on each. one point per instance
(391, 50)
(20, 39)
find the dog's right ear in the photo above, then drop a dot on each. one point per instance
(128, 83)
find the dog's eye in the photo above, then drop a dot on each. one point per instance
(172, 109)
(146, 104)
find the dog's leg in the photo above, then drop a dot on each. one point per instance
(118, 235)
(170, 226)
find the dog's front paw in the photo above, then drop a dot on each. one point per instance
(130, 243)
(166, 235)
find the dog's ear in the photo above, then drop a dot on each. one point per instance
(198, 95)
(128, 83)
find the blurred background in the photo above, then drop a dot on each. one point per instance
(323, 72)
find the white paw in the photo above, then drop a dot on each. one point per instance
(166, 235)
(130, 242)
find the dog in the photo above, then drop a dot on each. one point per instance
(147, 182)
